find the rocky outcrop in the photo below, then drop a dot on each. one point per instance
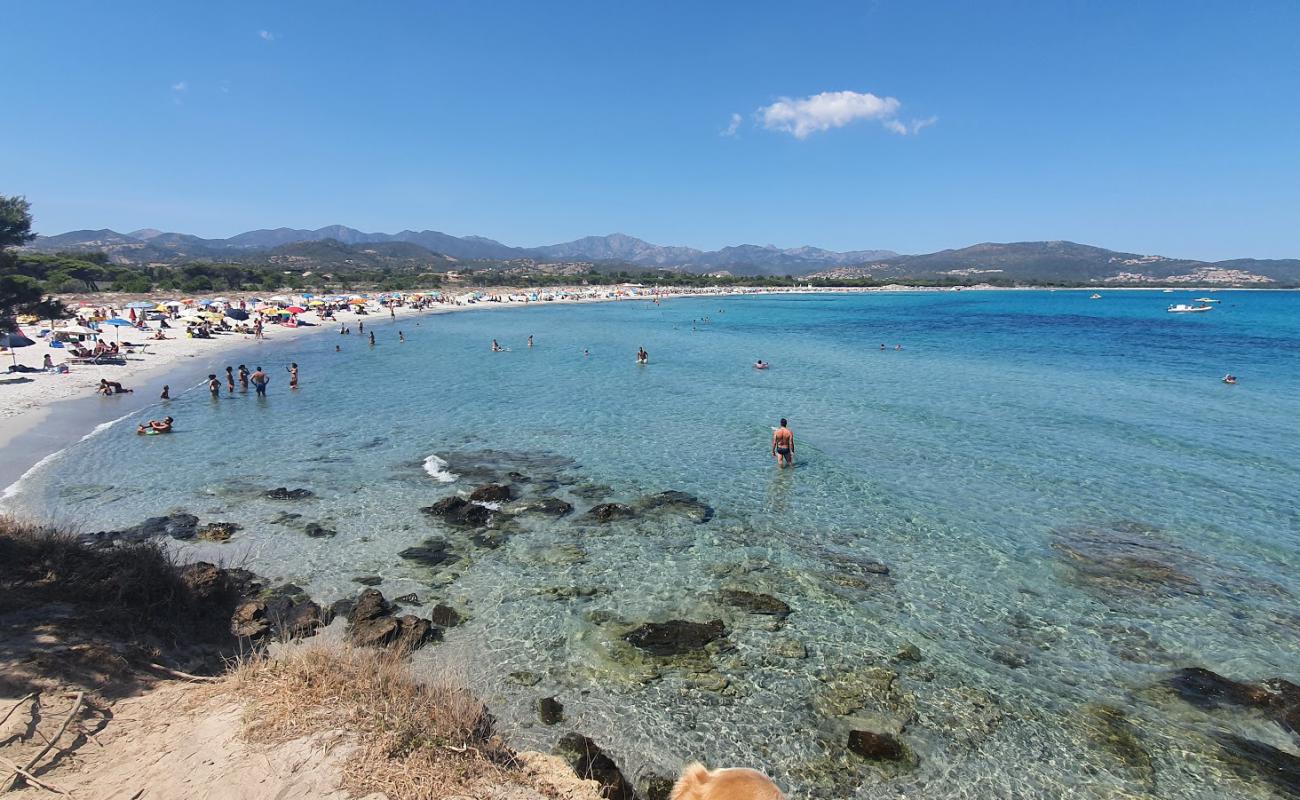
(283, 612)
(679, 502)
(1125, 559)
(1276, 698)
(1256, 761)
(459, 511)
(491, 493)
(675, 637)
(371, 623)
(218, 531)
(608, 512)
(177, 526)
(444, 616)
(589, 761)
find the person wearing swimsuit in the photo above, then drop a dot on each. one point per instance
(783, 446)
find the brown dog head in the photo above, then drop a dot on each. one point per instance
(700, 783)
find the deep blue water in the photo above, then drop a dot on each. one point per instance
(1070, 503)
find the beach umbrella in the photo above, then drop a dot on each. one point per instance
(119, 323)
(295, 309)
(237, 314)
(140, 304)
(316, 303)
(357, 301)
(14, 340)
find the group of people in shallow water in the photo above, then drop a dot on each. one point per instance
(258, 378)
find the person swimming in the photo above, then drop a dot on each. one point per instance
(163, 425)
(642, 357)
(761, 364)
(496, 348)
(783, 445)
(166, 393)
(1229, 378)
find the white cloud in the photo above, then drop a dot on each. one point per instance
(733, 126)
(804, 116)
(266, 36)
(180, 86)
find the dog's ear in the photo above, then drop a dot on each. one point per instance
(694, 777)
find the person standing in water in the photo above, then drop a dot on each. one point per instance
(243, 378)
(361, 327)
(260, 379)
(401, 337)
(372, 338)
(230, 380)
(783, 445)
(293, 375)
(166, 394)
(214, 385)
(642, 356)
(530, 340)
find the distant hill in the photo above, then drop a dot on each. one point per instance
(1069, 263)
(341, 247)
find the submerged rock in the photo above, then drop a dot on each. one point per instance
(491, 493)
(444, 616)
(680, 502)
(1124, 559)
(178, 526)
(675, 637)
(655, 787)
(589, 761)
(432, 553)
(281, 493)
(876, 746)
(547, 506)
(459, 511)
(1112, 733)
(608, 512)
(1256, 761)
(788, 647)
(318, 531)
(756, 603)
(368, 580)
(550, 711)
(1276, 698)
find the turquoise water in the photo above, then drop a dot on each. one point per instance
(1006, 465)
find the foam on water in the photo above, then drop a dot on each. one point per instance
(1069, 504)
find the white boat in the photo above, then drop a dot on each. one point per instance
(1206, 300)
(1095, 297)
(1183, 308)
(1169, 291)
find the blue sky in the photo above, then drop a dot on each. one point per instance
(1153, 127)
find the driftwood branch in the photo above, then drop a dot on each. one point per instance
(76, 706)
(185, 676)
(32, 779)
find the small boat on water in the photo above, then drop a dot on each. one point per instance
(1169, 291)
(1183, 308)
(1206, 300)
(1095, 297)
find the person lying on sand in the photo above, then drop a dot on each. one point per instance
(163, 425)
(107, 387)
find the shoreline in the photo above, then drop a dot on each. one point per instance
(52, 412)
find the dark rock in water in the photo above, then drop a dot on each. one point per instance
(342, 607)
(551, 507)
(370, 604)
(608, 512)
(303, 619)
(1112, 733)
(1205, 689)
(550, 711)
(411, 599)
(178, 526)
(371, 624)
(908, 652)
(285, 518)
(368, 580)
(208, 583)
(218, 531)
(1125, 559)
(489, 539)
(589, 761)
(286, 612)
(318, 531)
(876, 746)
(445, 616)
(459, 511)
(431, 554)
(491, 493)
(518, 477)
(1256, 761)
(874, 568)
(756, 603)
(281, 493)
(1010, 658)
(681, 502)
(655, 787)
(675, 637)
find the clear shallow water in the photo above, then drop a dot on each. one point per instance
(1006, 465)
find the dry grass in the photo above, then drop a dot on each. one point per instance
(413, 740)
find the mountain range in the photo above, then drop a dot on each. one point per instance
(149, 245)
(339, 247)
